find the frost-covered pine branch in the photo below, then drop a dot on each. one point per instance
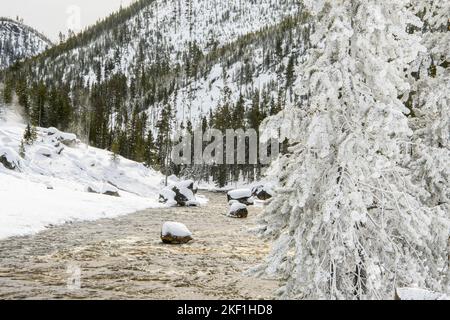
(348, 219)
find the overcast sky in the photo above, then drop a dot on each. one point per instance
(52, 16)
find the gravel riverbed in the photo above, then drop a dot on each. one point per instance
(124, 258)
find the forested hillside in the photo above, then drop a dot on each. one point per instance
(152, 69)
(18, 41)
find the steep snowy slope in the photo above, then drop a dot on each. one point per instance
(18, 41)
(159, 31)
(250, 66)
(51, 180)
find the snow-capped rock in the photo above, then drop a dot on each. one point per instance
(104, 188)
(9, 158)
(167, 196)
(263, 192)
(243, 196)
(175, 233)
(238, 210)
(182, 194)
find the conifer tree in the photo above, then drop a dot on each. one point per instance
(115, 149)
(30, 134)
(163, 140)
(347, 220)
(7, 91)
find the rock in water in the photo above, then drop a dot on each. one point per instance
(238, 210)
(175, 233)
(262, 192)
(243, 196)
(181, 194)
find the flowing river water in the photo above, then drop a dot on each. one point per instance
(124, 258)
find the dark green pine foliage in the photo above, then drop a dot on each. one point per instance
(163, 140)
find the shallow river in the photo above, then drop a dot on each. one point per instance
(124, 258)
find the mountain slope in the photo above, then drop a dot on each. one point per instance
(157, 32)
(18, 41)
(197, 62)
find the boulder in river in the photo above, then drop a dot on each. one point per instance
(262, 192)
(243, 196)
(238, 210)
(181, 194)
(175, 233)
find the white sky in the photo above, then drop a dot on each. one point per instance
(52, 16)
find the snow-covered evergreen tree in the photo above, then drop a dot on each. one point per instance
(348, 220)
(430, 104)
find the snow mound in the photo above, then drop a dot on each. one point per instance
(419, 294)
(167, 196)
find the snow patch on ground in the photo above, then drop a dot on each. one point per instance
(49, 186)
(419, 294)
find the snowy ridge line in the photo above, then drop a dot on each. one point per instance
(19, 41)
(28, 28)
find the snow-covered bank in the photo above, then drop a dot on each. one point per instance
(51, 182)
(28, 207)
